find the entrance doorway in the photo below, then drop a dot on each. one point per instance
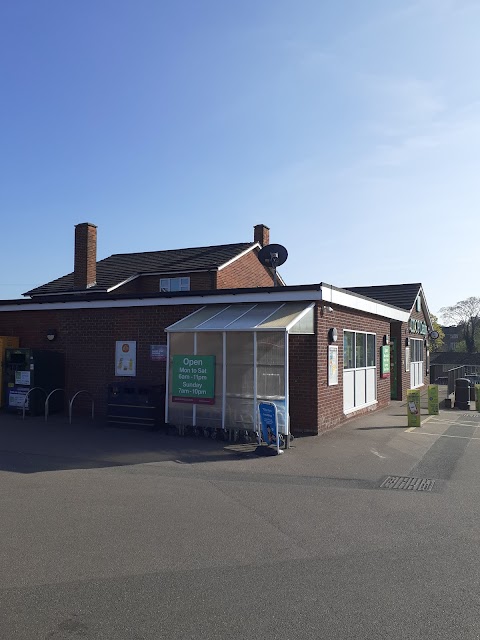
(393, 368)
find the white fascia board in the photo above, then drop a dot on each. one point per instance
(351, 301)
(327, 294)
(240, 255)
(261, 296)
(217, 330)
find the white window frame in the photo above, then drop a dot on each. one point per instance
(416, 366)
(165, 284)
(356, 369)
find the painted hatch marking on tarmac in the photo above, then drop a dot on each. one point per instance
(445, 435)
(447, 449)
(407, 483)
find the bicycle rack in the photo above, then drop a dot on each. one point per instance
(26, 396)
(70, 406)
(48, 398)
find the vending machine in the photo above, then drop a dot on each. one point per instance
(26, 369)
(5, 342)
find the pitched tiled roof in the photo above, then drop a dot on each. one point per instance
(455, 358)
(121, 266)
(398, 295)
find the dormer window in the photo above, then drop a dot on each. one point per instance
(174, 284)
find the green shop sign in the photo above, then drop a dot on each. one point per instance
(385, 361)
(193, 379)
(417, 326)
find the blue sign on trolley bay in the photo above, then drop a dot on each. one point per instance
(269, 424)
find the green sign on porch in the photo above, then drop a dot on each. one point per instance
(193, 379)
(385, 361)
(433, 400)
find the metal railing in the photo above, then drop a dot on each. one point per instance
(460, 372)
(70, 406)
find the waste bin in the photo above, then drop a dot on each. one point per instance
(462, 393)
(136, 406)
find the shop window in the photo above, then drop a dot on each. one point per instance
(360, 374)
(348, 350)
(175, 284)
(360, 350)
(416, 350)
(416, 363)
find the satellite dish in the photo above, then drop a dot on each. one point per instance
(273, 255)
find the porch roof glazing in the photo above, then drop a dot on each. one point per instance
(264, 316)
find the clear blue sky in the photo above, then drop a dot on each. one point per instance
(351, 128)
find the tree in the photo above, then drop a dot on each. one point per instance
(462, 347)
(466, 315)
(436, 345)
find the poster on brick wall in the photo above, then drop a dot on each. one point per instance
(125, 358)
(332, 365)
(158, 352)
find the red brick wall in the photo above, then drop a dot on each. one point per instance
(244, 272)
(87, 339)
(316, 407)
(303, 391)
(203, 281)
(330, 399)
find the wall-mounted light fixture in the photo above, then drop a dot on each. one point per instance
(51, 334)
(386, 339)
(332, 335)
(325, 308)
(407, 342)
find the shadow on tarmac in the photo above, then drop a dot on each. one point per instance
(33, 445)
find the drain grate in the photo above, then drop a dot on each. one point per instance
(407, 483)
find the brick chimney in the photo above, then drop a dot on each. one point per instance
(85, 269)
(261, 234)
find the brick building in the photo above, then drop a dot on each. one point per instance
(195, 269)
(317, 350)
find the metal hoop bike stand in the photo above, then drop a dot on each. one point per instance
(71, 404)
(47, 400)
(26, 396)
